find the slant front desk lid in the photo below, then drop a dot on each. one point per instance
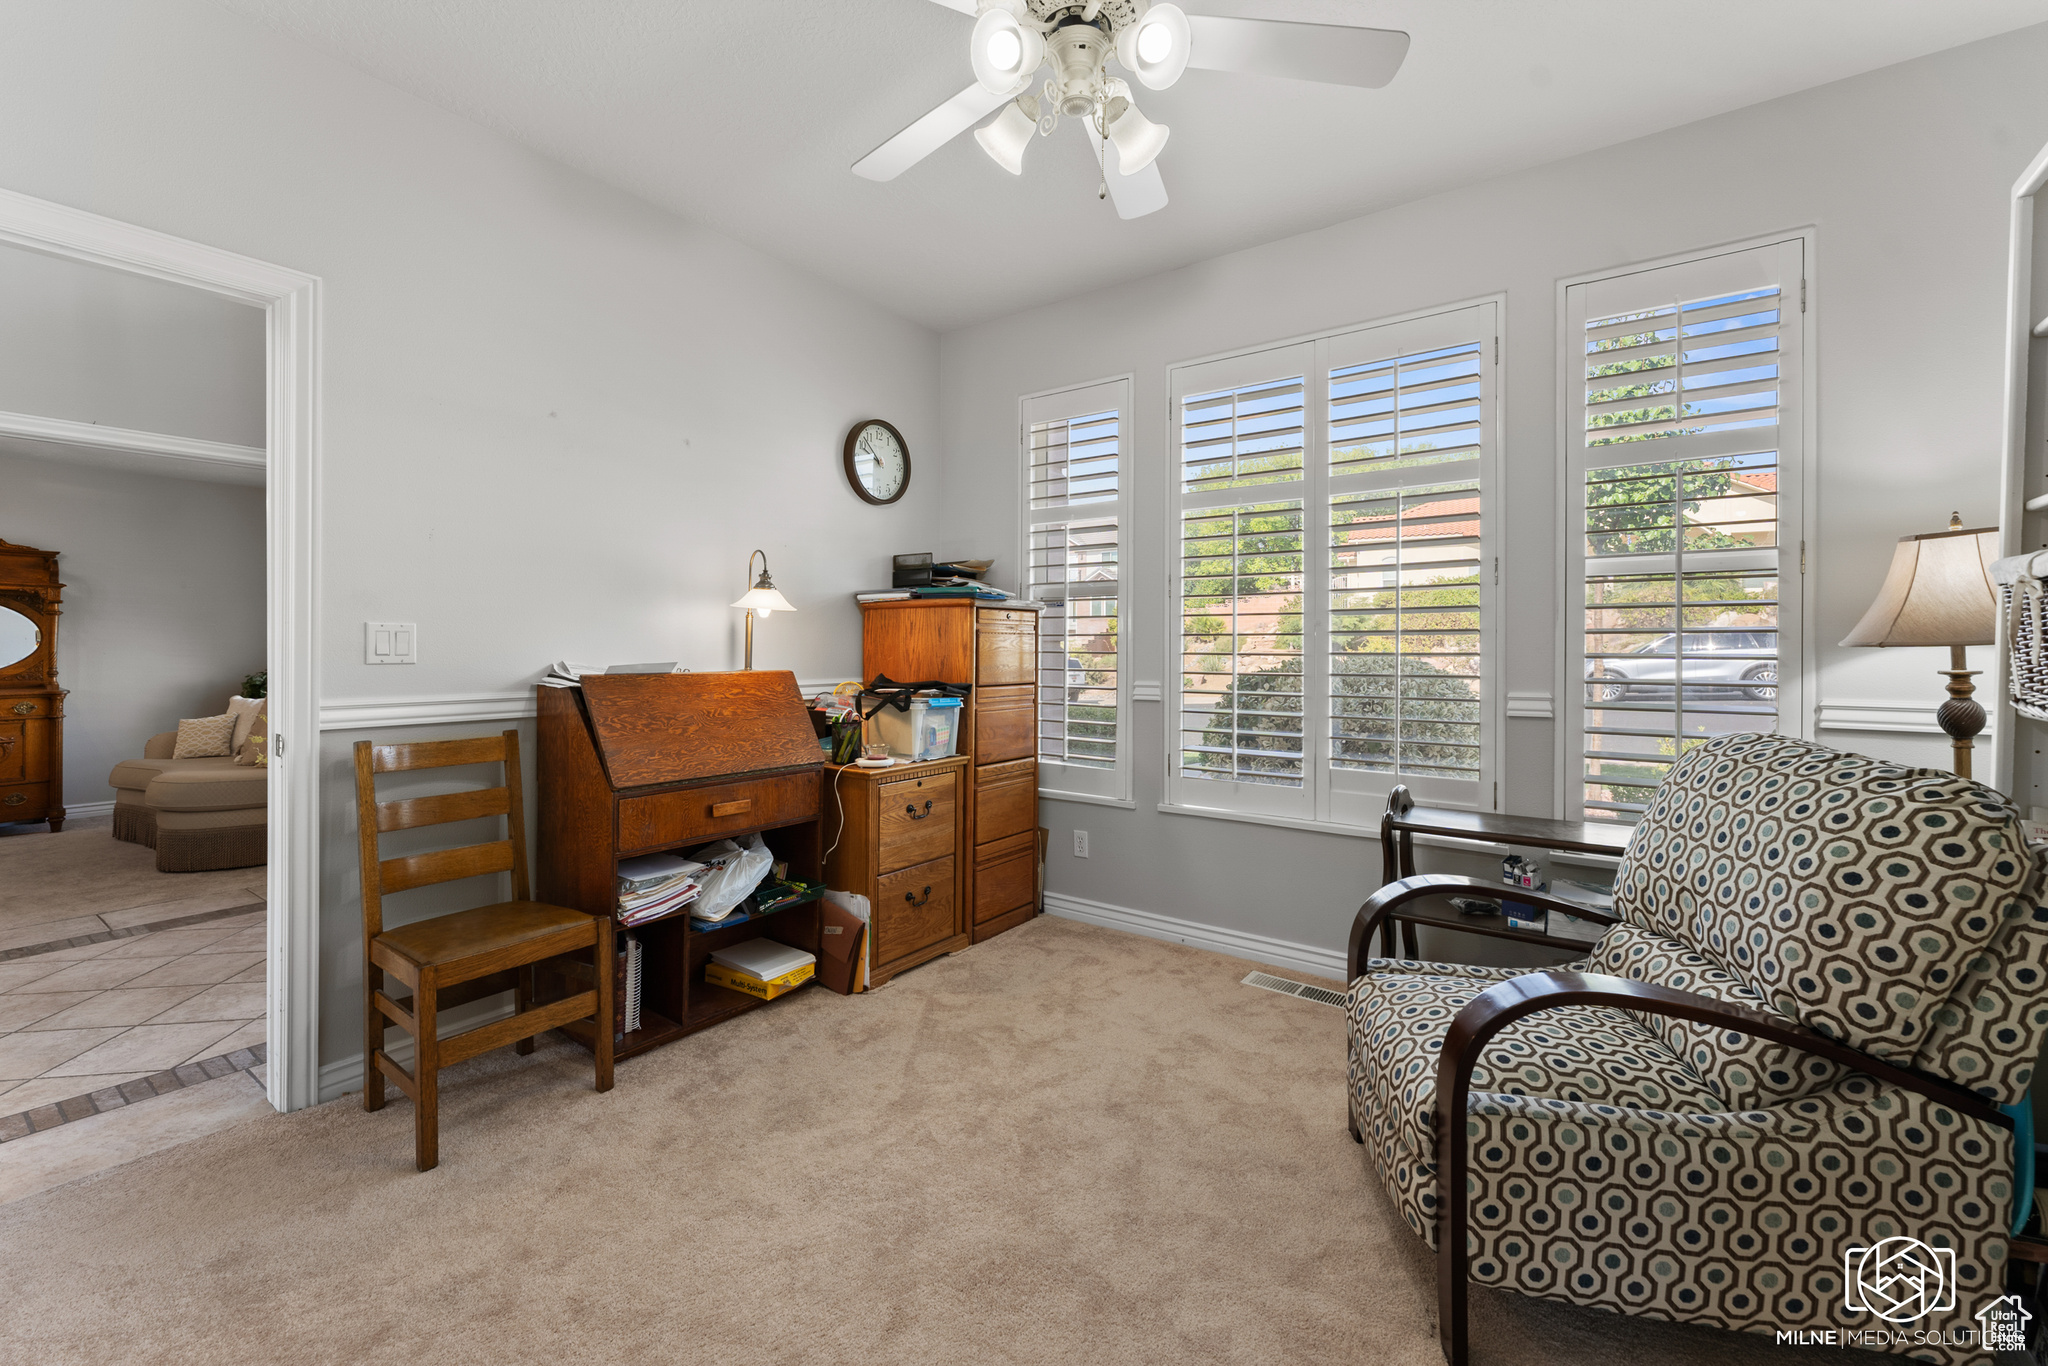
(671, 728)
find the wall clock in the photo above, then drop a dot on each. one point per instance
(877, 462)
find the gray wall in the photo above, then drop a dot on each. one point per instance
(91, 344)
(1906, 174)
(163, 601)
(554, 419)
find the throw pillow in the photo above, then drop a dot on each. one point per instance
(255, 749)
(205, 737)
(244, 710)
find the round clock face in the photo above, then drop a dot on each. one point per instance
(877, 461)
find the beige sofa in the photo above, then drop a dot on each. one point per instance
(198, 814)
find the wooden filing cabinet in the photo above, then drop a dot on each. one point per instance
(902, 844)
(995, 649)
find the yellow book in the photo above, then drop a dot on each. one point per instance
(719, 975)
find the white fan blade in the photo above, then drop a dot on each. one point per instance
(967, 7)
(1333, 53)
(1134, 195)
(929, 133)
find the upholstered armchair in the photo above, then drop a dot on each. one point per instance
(1826, 979)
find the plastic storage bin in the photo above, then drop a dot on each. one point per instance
(929, 730)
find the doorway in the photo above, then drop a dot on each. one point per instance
(290, 303)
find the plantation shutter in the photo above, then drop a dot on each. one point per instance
(1074, 515)
(1333, 572)
(1686, 451)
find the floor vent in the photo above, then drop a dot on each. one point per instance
(1268, 982)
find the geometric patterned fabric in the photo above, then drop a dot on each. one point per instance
(1661, 1169)
(1852, 895)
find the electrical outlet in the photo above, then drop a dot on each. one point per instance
(1080, 844)
(391, 642)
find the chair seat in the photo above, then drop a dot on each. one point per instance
(1400, 1012)
(459, 935)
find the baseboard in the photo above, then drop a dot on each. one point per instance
(1257, 948)
(81, 810)
(344, 1075)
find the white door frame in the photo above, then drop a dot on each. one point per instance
(291, 580)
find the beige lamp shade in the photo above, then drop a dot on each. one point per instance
(1938, 592)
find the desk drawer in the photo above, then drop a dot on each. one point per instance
(1005, 724)
(1005, 800)
(1005, 875)
(914, 908)
(918, 819)
(699, 814)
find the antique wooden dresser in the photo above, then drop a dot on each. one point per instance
(31, 703)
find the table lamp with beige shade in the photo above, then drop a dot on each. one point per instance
(1939, 592)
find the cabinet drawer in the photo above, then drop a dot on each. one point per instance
(27, 706)
(1005, 875)
(914, 908)
(918, 820)
(1005, 800)
(1005, 652)
(700, 814)
(1006, 619)
(14, 742)
(24, 801)
(1005, 724)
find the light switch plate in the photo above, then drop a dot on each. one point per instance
(391, 642)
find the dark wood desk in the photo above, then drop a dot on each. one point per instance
(1402, 822)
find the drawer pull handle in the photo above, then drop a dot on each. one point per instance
(918, 900)
(912, 812)
(738, 808)
(24, 709)
(16, 799)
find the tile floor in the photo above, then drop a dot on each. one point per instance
(78, 1020)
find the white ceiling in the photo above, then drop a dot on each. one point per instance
(745, 116)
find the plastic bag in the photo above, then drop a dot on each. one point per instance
(732, 872)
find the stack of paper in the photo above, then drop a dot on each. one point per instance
(656, 885)
(563, 674)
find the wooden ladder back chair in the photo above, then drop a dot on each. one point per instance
(450, 959)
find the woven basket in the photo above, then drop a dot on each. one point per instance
(2026, 616)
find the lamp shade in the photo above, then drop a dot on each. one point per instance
(764, 600)
(1004, 52)
(1006, 137)
(1156, 48)
(1138, 140)
(1938, 592)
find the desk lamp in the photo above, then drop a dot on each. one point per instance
(760, 600)
(1939, 592)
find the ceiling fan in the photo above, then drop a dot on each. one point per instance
(1153, 40)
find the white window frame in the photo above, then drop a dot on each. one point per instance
(1073, 782)
(1798, 512)
(1352, 806)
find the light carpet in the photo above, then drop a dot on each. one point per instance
(82, 880)
(1064, 1145)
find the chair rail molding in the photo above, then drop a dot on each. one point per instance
(455, 709)
(1905, 718)
(292, 301)
(148, 452)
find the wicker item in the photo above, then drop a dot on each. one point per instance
(2025, 606)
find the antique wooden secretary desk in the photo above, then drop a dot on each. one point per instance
(646, 763)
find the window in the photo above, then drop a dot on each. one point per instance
(1684, 446)
(1074, 515)
(1334, 573)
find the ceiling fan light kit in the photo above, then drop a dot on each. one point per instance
(1155, 41)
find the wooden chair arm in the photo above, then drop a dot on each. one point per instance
(1499, 1006)
(1394, 895)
